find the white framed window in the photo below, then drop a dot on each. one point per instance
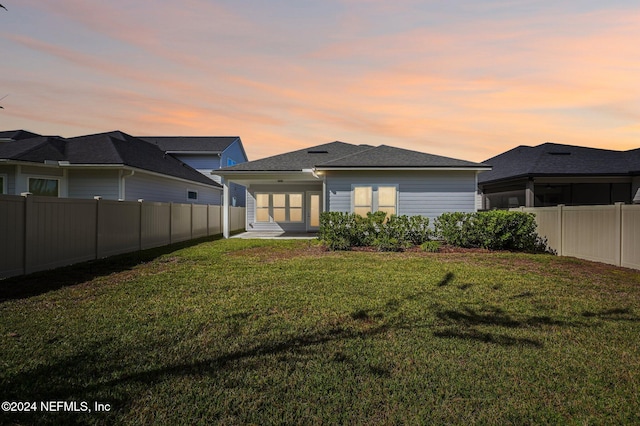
(279, 207)
(362, 200)
(44, 187)
(373, 198)
(192, 195)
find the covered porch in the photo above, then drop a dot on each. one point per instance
(283, 204)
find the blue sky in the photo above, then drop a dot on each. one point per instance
(465, 79)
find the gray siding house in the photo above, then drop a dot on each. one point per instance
(288, 192)
(112, 165)
(206, 154)
(551, 174)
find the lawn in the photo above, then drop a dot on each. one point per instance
(282, 332)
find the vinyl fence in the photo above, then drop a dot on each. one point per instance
(39, 233)
(608, 234)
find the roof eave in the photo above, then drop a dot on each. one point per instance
(396, 168)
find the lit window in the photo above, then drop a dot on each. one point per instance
(279, 207)
(44, 187)
(373, 198)
(262, 207)
(362, 200)
(387, 199)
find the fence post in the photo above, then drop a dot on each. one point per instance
(140, 201)
(618, 235)
(208, 230)
(28, 231)
(560, 229)
(191, 235)
(98, 204)
(171, 222)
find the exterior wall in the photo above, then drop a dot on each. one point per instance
(9, 174)
(155, 188)
(252, 225)
(23, 173)
(235, 153)
(201, 162)
(91, 183)
(425, 193)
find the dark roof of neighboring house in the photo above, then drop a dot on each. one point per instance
(551, 159)
(344, 155)
(112, 148)
(17, 134)
(214, 144)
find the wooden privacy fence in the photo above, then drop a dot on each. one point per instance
(39, 233)
(608, 234)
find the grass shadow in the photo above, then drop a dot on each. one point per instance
(25, 286)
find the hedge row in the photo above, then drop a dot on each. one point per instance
(495, 230)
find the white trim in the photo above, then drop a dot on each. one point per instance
(44, 177)
(194, 191)
(287, 206)
(395, 169)
(375, 206)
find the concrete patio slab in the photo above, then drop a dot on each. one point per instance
(276, 235)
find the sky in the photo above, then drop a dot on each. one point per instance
(467, 79)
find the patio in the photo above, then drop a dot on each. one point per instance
(276, 235)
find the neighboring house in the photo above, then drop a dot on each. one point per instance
(113, 165)
(206, 154)
(288, 192)
(552, 174)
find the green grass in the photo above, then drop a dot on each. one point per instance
(281, 332)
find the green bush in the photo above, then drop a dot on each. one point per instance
(495, 230)
(341, 231)
(430, 246)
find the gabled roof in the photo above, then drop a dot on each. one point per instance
(343, 155)
(552, 159)
(104, 149)
(384, 156)
(120, 148)
(186, 144)
(306, 158)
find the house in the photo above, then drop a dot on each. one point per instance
(111, 165)
(206, 154)
(288, 192)
(550, 174)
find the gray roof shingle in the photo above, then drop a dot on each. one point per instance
(214, 144)
(112, 148)
(551, 159)
(343, 155)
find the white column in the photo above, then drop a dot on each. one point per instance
(225, 208)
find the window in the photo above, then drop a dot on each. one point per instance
(192, 195)
(44, 187)
(279, 207)
(3, 182)
(387, 199)
(231, 162)
(372, 198)
(362, 200)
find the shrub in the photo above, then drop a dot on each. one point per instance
(340, 231)
(495, 230)
(430, 246)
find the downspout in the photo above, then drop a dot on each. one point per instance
(122, 189)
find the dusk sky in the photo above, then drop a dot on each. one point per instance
(465, 79)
